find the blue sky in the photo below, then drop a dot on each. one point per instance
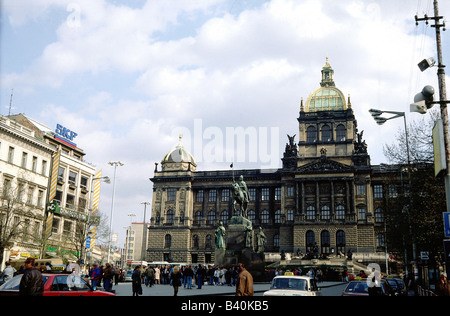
(130, 76)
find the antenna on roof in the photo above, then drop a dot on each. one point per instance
(10, 102)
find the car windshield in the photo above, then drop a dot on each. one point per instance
(14, 283)
(357, 287)
(289, 284)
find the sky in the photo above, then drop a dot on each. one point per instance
(130, 76)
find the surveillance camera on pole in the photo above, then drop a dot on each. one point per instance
(423, 100)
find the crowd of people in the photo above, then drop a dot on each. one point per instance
(192, 276)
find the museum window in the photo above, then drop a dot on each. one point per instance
(378, 191)
(340, 242)
(265, 217)
(341, 133)
(224, 217)
(325, 241)
(276, 241)
(252, 194)
(169, 217)
(326, 133)
(252, 216)
(278, 217)
(290, 191)
(61, 174)
(379, 215)
(208, 242)
(325, 213)
(195, 242)
(211, 218)
(361, 213)
(310, 213)
(310, 240)
(225, 195)
(380, 240)
(168, 241)
(360, 189)
(277, 194)
(340, 212)
(200, 196)
(197, 218)
(171, 194)
(212, 196)
(265, 194)
(311, 134)
(290, 215)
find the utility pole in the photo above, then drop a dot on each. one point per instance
(442, 92)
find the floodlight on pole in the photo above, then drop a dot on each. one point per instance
(115, 164)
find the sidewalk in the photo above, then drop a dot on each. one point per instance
(124, 289)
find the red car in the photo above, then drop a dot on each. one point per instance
(55, 285)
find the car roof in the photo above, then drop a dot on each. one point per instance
(292, 277)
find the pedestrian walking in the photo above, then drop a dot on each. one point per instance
(9, 271)
(31, 283)
(188, 273)
(201, 272)
(136, 281)
(244, 286)
(95, 276)
(175, 279)
(108, 275)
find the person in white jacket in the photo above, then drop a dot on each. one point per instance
(9, 271)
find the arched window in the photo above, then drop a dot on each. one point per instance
(325, 213)
(278, 217)
(169, 217)
(341, 133)
(208, 242)
(325, 242)
(311, 134)
(310, 213)
(195, 242)
(326, 133)
(340, 241)
(340, 212)
(224, 217)
(168, 241)
(211, 218)
(265, 217)
(310, 240)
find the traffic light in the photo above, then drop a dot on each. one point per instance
(423, 100)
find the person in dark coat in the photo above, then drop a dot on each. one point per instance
(175, 279)
(136, 281)
(31, 283)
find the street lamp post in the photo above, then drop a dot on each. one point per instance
(380, 121)
(115, 164)
(144, 233)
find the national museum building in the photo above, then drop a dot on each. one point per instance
(326, 193)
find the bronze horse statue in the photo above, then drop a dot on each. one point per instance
(239, 197)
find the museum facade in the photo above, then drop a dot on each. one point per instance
(326, 194)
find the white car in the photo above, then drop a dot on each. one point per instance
(293, 286)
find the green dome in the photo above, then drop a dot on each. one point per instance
(326, 99)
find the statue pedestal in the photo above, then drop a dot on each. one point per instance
(240, 247)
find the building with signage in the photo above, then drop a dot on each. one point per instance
(325, 195)
(25, 161)
(74, 184)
